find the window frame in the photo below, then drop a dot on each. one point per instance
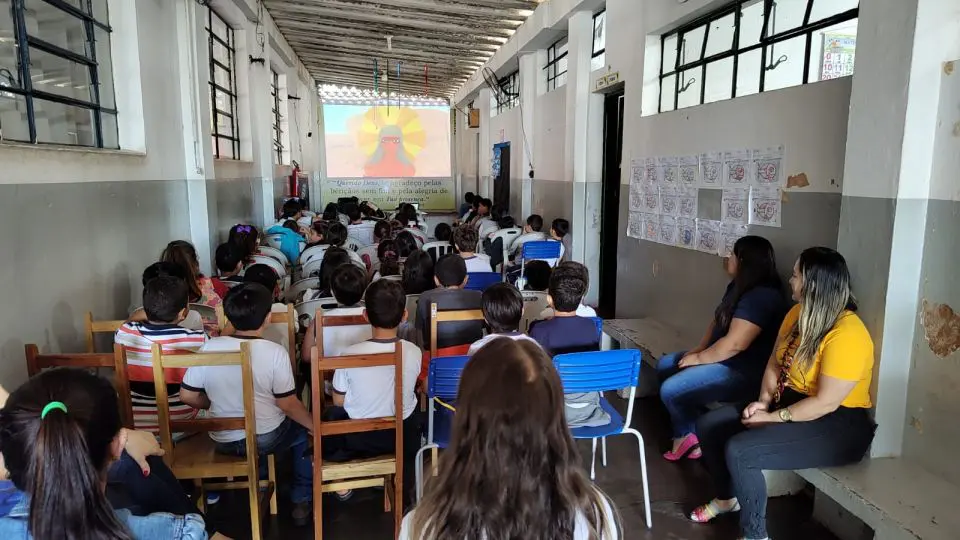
(511, 83)
(597, 15)
(553, 61)
(806, 29)
(230, 45)
(24, 42)
(277, 118)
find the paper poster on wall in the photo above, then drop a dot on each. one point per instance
(650, 172)
(736, 168)
(668, 230)
(729, 234)
(767, 167)
(651, 227)
(708, 236)
(765, 206)
(733, 205)
(688, 202)
(686, 233)
(636, 171)
(650, 196)
(711, 170)
(635, 225)
(690, 171)
(669, 201)
(668, 169)
(636, 197)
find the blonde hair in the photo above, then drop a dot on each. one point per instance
(825, 294)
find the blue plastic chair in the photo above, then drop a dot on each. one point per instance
(600, 372)
(443, 379)
(542, 250)
(481, 281)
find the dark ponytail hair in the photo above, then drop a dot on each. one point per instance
(245, 236)
(389, 255)
(59, 460)
(756, 267)
(183, 253)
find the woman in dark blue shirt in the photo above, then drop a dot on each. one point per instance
(728, 364)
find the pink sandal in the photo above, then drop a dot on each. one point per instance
(689, 448)
(710, 511)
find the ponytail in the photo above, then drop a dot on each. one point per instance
(389, 256)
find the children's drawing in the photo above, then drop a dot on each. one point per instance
(651, 227)
(635, 225)
(690, 171)
(688, 202)
(733, 205)
(736, 168)
(708, 236)
(668, 167)
(767, 166)
(668, 230)
(686, 233)
(636, 172)
(765, 206)
(636, 198)
(650, 172)
(711, 169)
(669, 201)
(651, 199)
(729, 234)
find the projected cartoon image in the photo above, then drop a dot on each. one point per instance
(391, 138)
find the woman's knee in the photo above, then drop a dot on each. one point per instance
(669, 361)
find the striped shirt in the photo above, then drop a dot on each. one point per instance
(137, 338)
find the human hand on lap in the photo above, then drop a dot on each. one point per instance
(760, 419)
(753, 408)
(690, 360)
(140, 445)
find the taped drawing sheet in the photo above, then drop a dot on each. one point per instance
(767, 167)
(711, 170)
(729, 234)
(687, 233)
(690, 171)
(668, 230)
(765, 206)
(736, 168)
(733, 205)
(708, 236)
(635, 225)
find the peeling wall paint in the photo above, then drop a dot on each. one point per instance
(798, 181)
(941, 328)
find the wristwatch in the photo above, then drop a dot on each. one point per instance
(785, 415)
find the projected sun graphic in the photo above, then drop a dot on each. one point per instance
(391, 138)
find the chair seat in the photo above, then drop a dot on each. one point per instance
(359, 468)
(613, 428)
(196, 457)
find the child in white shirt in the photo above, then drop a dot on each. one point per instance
(465, 239)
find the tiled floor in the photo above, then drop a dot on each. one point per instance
(674, 490)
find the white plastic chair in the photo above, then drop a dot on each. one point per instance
(298, 287)
(308, 310)
(352, 245)
(273, 240)
(437, 249)
(273, 253)
(509, 236)
(534, 302)
(280, 269)
(309, 268)
(371, 253)
(313, 252)
(355, 259)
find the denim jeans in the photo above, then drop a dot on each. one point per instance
(736, 456)
(686, 392)
(289, 436)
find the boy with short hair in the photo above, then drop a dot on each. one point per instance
(229, 259)
(537, 274)
(465, 241)
(358, 229)
(466, 205)
(282, 420)
(584, 275)
(559, 231)
(450, 275)
(262, 274)
(165, 306)
(567, 332)
(502, 307)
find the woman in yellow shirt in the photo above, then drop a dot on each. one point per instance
(813, 405)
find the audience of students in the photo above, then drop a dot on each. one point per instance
(282, 421)
(465, 241)
(816, 386)
(502, 307)
(229, 259)
(512, 470)
(727, 365)
(450, 275)
(418, 276)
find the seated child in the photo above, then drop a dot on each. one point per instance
(266, 276)
(369, 392)
(531, 233)
(229, 264)
(537, 274)
(348, 283)
(290, 239)
(450, 274)
(443, 232)
(560, 231)
(466, 205)
(316, 234)
(582, 310)
(494, 248)
(358, 229)
(465, 241)
(283, 422)
(292, 211)
(567, 332)
(165, 306)
(502, 308)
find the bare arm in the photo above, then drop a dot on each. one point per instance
(740, 335)
(138, 316)
(704, 341)
(831, 392)
(197, 400)
(309, 341)
(295, 410)
(338, 398)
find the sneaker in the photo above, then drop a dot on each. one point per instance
(346, 496)
(213, 497)
(301, 513)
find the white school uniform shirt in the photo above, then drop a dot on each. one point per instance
(272, 379)
(582, 311)
(362, 232)
(368, 392)
(516, 336)
(338, 338)
(478, 263)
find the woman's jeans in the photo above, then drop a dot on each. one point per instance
(736, 456)
(687, 392)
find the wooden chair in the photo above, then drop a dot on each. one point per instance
(195, 458)
(92, 327)
(117, 360)
(437, 317)
(361, 473)
(208, 313)
(288, 318)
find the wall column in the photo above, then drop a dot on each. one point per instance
(529, 76)
(485, 183)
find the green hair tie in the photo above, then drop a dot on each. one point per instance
(51, 406)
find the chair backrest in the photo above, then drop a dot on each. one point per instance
(308, 309)
(352, 245)
(371, 253)
(313, 252)
(481, 281)
(509, 236)
(340, 332)
(437, 317)
(285, 323)
(92, 327)
(312, 267)
(534, 302)
(117, 360)
(355, 259)
(443, 378)
(599, 322)
(413, 300)
(208, 313)
(277, 266)
(542, 250)
(299, 287)
(437, 249)
(600, 371)
(247, 423)
(273, 240)
(273, 253)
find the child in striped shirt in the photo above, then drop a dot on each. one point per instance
(165, 303)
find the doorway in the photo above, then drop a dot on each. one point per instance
(610, 209)
(501, 176)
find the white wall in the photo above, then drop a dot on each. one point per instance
(549, 135)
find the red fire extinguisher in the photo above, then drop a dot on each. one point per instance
(294, 180)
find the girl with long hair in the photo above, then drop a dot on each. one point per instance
(389, 254)
(59, 434)
(418, 273)
(201, 287)
(512, 469)
(247, 237)
(728, 363)
(813, 406)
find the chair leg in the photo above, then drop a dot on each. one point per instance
(387, 493)
(272, 476)
(435, 459)
(593, 460)
(418, 470)
(643, 471)
(253, 490)
(201, 495)
(603, 445)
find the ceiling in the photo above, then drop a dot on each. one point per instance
(338, 40)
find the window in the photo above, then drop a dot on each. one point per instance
(599, 41)
(511, 93)
(277, 117)
(556, 65)
(223, 88)
(752, 46)
(56, 73)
